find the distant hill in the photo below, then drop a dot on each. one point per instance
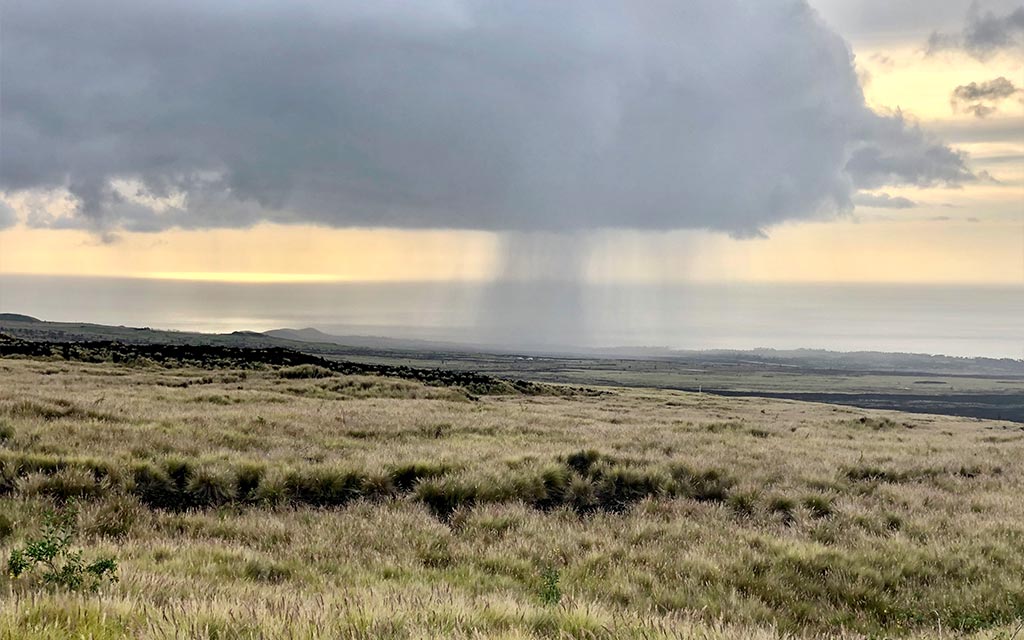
(373, 342)
(17, 317)
(383, 349)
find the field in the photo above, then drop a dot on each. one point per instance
(972, 387)
(298, 502)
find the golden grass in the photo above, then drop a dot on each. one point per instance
(838, 523)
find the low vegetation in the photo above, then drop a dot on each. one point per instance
(51, 561)
(304, 502)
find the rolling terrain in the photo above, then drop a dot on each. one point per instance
(970, 387)
(259, 499)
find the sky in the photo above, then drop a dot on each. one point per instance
(608, 141)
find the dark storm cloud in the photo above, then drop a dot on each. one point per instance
(982, 98)
(985, 33)
(528, 115)
(883, 201)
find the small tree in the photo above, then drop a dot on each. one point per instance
(50, 556)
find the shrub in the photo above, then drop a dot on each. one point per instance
(581, 495)
(179, 471)
(26, 463)
(621, 486)
(113, 517)
(743, 504)
(154, 488)
(6, 527)
(305, 371)
(819, 506)
(8, 479)
(554, 485)
(710, 485)
(324, 487)
(271, 491)
(550, 592)
(247, 481)
(6, 432)
(582, 461)
(66, 484)
(444, 496)
(266, 571)
(378, 486)
(57, 565)
(207, 488)
(784, 506)
(406, 476)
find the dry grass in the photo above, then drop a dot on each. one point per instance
(695, 517)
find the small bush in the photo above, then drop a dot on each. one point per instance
(247, 481)
(550, 592)
(581, 495)
(6, 432)
(378, 486)
(406, 476)
(209, 489)
(271, 491)
(554, 485)
(622, 486)
(112, 517)
(819, 506)
(179, 471)
(51, 558)
(266, 571)
(583, 461)
(743, 504)
(66, 484)
(8, 480)
(324, 487)
(710, 485)
(305, 371)
(26, 463)
(6, 527)
(444, 496)
(783, 506)
(154, 488)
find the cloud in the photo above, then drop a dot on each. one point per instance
(981, 99)
(882, 60)
(8, 218)
(984, 34)
(883, 201)
(526, 116)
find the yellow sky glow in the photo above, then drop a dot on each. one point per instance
(974, 234)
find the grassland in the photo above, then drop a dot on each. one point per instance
(300, 502)
(974, 387)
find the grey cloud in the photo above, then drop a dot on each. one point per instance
(902, 153)
(532, 115)
(982, 99)
(7, 216)
(992, 90)
(984, 34)
(883, 60)
(883, 201)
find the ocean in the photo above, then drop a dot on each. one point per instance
(957, 320)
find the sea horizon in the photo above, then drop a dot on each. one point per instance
(964, 320)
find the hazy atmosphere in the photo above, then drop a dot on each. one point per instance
(512, 319)
(578, 143)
